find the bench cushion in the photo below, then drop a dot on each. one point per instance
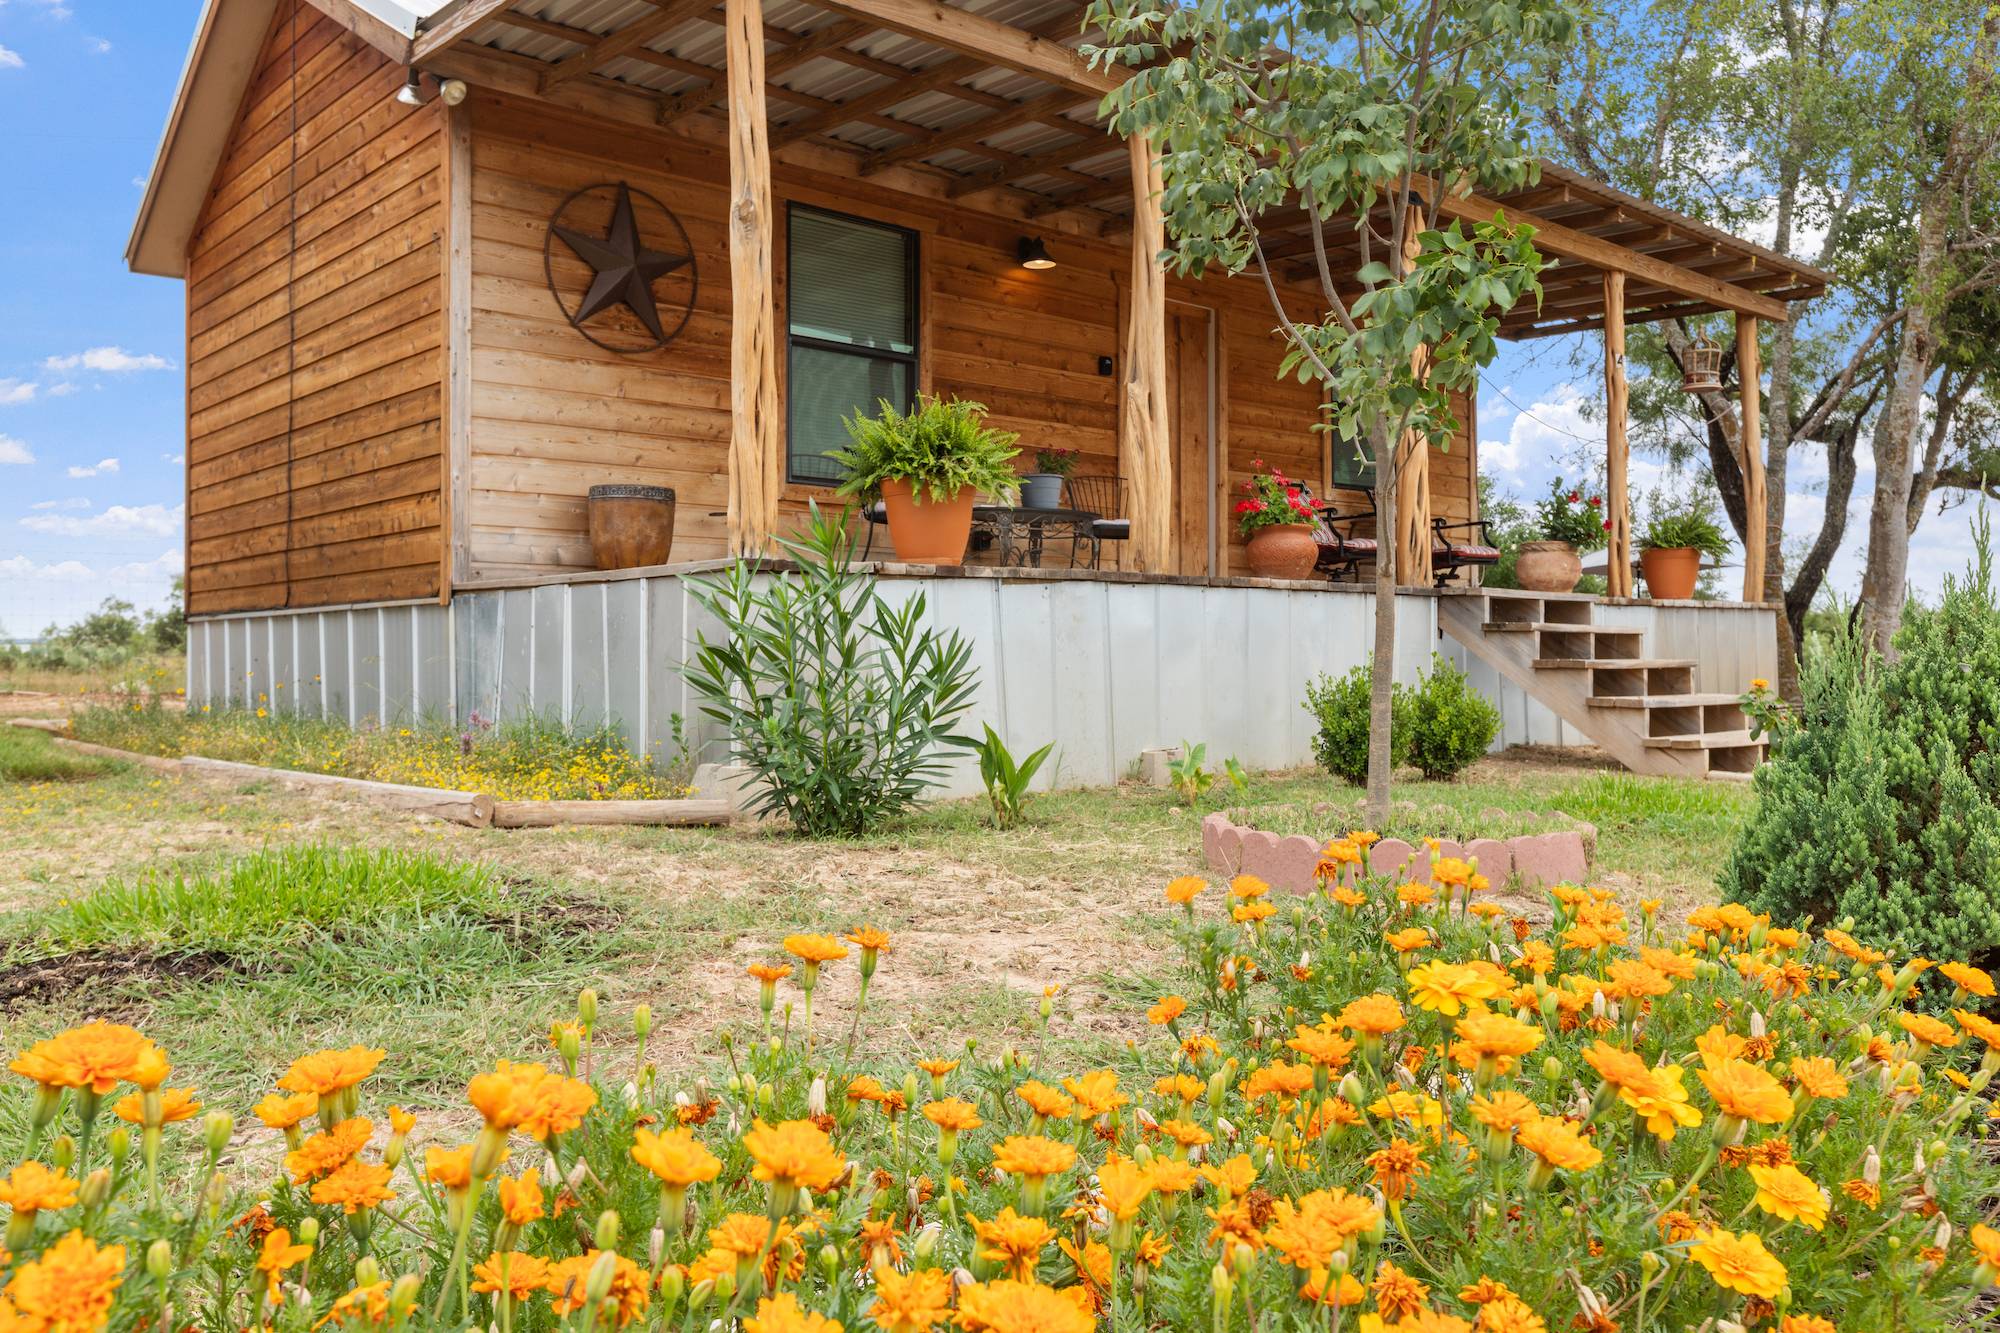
(1470, 554)
(1112, 529)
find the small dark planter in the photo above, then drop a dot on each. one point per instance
(631, 526)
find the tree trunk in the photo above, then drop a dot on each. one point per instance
(1885, 577)
(1382, 663)
(1777, 463)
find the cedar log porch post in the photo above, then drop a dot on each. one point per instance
(1144, 451)
(1750, 444)
(1617, 505)
(1413, 456)
(756, 452)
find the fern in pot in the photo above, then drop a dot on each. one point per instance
(927, 466)
(1671, 548)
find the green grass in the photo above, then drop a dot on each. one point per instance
(33, 756)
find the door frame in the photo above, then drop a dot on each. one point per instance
(1211, 487)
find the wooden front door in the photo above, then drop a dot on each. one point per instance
(1190, 427)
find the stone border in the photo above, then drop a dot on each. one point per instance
(1532, 861)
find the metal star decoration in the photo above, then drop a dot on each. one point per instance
(625, 268)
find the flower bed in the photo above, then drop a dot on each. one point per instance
(528, 760)
(1387, 1105)
(1532, 861)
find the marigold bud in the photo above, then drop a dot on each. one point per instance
(606, 1235)
(160, 1259)
(219, 1125)
(586, 1008)
(403, 1297)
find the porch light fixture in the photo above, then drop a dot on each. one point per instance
(412, 92)
(453, 91)
(1033, 253)
(1702, 371)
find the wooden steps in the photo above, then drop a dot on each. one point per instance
(1644, 711)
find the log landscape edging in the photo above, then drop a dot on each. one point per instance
(469, 808)
(1531, 861)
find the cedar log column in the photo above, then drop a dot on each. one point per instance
(1750, 445)
(1413, 457)
(756, 440)
(1617, 450)
(1144, 451)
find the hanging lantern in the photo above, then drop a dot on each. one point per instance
(1702, 370)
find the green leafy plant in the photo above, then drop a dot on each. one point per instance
(1238, 779)
(1881, 802)
(1190, 779)
(1007, 780)
(1693, 525)
(840, 703)
(940, 448)
(1341, 707)
(1055, 462)
(1566, 514)
(1451, 724)
(1270, 499)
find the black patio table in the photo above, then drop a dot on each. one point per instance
(1018, 532)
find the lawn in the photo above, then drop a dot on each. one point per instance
(239, 924)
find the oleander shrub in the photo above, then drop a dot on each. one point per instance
(1339, 704)
(1382, 1106)
(839, 703)
(1451, 724)
(1881, 801)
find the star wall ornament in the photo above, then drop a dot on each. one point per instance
(624, 268)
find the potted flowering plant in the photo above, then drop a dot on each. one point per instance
(1042, 488)
(1570, 523)
(1276, 516)
(1671, 548)
(927, 465)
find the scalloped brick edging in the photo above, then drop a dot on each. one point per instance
(1533, 861)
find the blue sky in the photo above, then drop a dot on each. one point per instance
(91, 376)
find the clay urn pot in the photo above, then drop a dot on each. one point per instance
(1671, 571)
(926, 531)
(1283, 551)
(1548, 567)
(631, 526)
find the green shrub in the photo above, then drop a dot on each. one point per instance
(1880, 802)
(1451, 725)
(939, 448)
(1341, 709)
(840, 704)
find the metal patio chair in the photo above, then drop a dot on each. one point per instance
(1104, 497)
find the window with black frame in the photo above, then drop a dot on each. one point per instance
(851, 309)
(1352, 469)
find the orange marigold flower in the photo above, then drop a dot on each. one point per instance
(1397, 1294)
(325, 1072)
(1323, 1046)
(815, 949)
(1505, 1110)
(1743, 1091)
(328, 1151)
(506, 1094)
(1007, 1306)
(1046, 1101)
(449, 1167)
(937, 1068)
(952, 1115)
(1559, 1143)
(676, 1157)
(554, 1106)
(770, 973)
(1986, 1244)
(1308, 1231)
(1122, 1186)
(1096, 1093)
(869, 940)
(34, 1188)
(1168, 1009)
(1819, 1077)
(910, 1302)
(1498, 1036)
(1740, 1263)
(1806, 1323)
(1985, 1029)
(1510, 1314)
(1927, 1031)
(69, 1288)
(1484, 1291)
(794, 1152)
(276, 1255)
(631, 1287)
(354, 1186)
(1788, 1193)
(176, 1104)
(1257, 909)
(1408, 940)
(1248, 886)
(1184, 890)
(1618, 1067)
(401, 1122)
(1280, 1079)
(1397, 1167)
(515, 1272)
(1347, 897)
(521, 1197)
(1662, 1103)
(1186, 1133)
(1371, 1015)
(1233, 1177)
(281, 1112)
(1451, 988)
(96, 1056)
(1972, 980)
(1013, 1241)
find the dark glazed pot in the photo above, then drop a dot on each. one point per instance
(631, 526)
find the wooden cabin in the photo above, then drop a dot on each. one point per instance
(400, 388)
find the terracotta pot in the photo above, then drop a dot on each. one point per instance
(1283, 551)
(631, 526)
(923, 531)
(1548, 567)
(1671, 571)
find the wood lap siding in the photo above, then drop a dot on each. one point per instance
(315, 336)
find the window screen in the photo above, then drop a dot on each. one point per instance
(1350, 468)
(851, 301)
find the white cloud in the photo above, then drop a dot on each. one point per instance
(116, 521)
(112, 360)
(73, 502)
(62, 571)
(162, 566)
(97, 469)
(15, 392)
(14, 451)
(63, 390)
(10, 59)
(98, 46)
(178, 460)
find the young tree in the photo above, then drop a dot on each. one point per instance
(1363, 117)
